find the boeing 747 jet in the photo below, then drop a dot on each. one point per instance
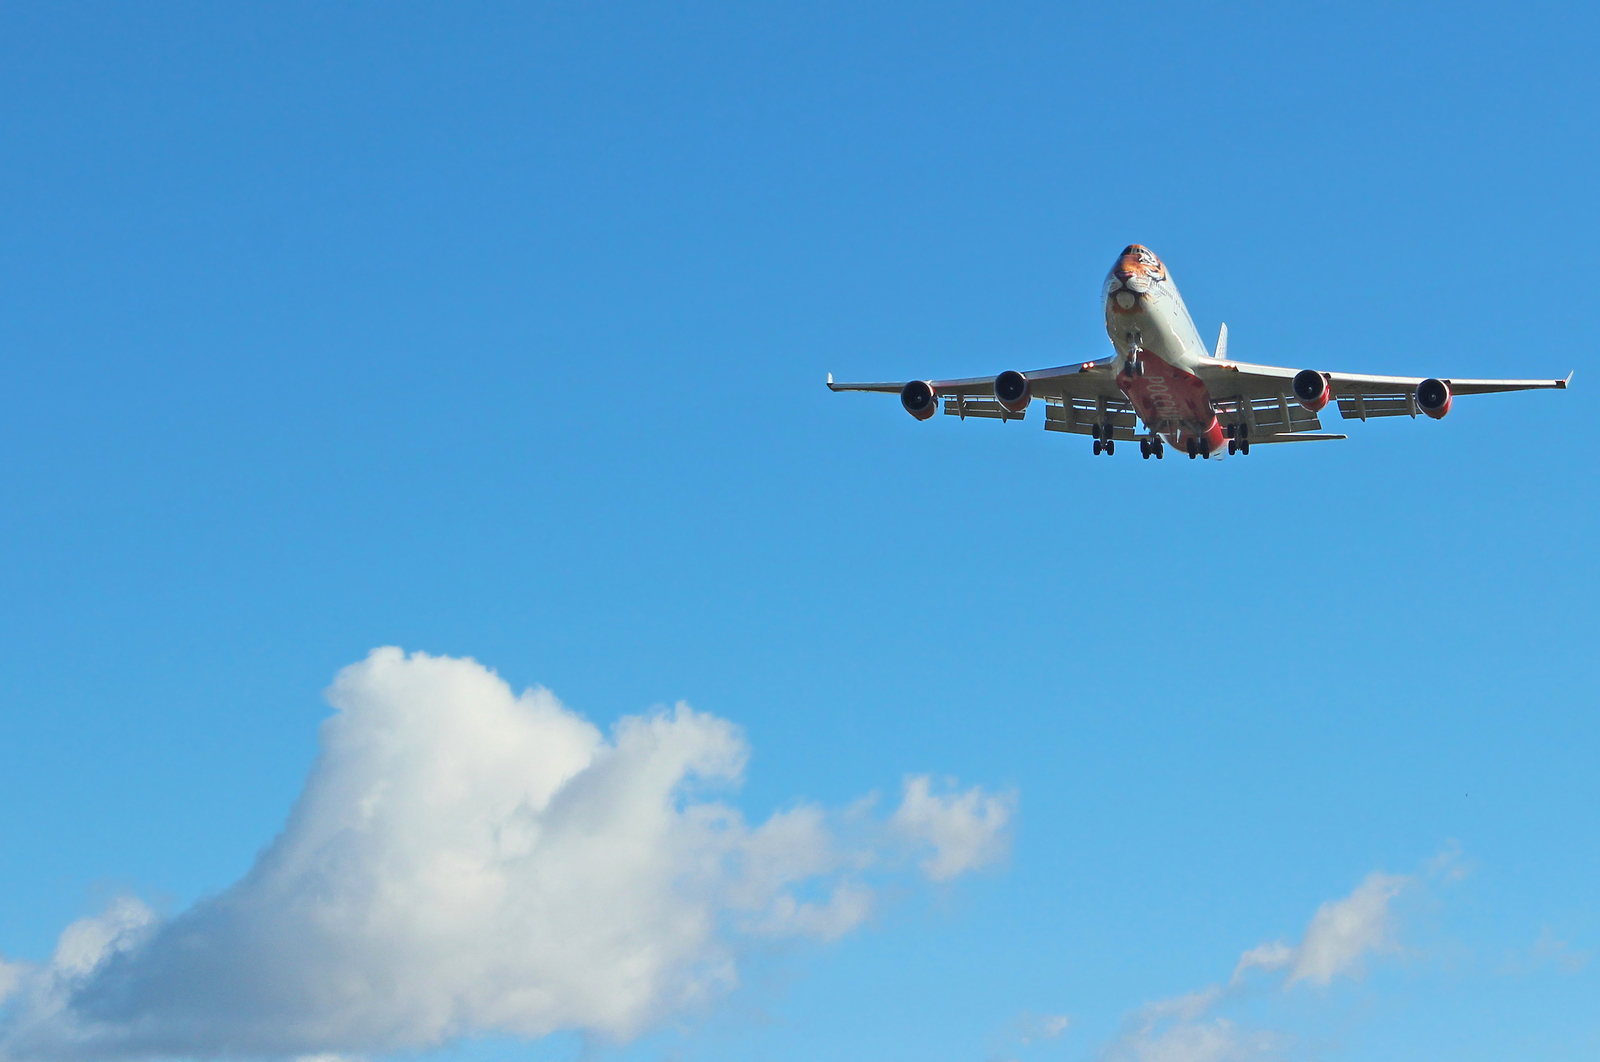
(1162, 386)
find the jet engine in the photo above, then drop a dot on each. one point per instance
(1311, 388)
(1433, 398)
(919, 399)
(1013, 390)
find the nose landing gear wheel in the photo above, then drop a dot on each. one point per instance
(1194, 449)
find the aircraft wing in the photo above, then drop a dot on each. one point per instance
(1359, 397)
(1081, 396)
(1075, 397)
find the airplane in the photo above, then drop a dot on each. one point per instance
(1162, 377)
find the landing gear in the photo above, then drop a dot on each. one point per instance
(1238, 438)
(1103, 442)
(1194, 449)
(1144, 449)
(1134, 366)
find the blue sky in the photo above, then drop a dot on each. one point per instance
(499, 331)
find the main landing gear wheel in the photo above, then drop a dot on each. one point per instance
(1103, 442)
(1144, 449)
(1239, 438)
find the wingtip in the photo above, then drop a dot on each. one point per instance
(1563, 384)
(830, 381)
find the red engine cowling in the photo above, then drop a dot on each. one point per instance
(1013, 391)
(1433, 398)
(919, 399)
(1311, 388)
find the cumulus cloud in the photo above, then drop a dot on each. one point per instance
(1343, 932)
(965, 830)
(466, 860)
(1338, 939)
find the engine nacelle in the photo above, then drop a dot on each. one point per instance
(1433, 398)
(919, 399)
(1311, 388)
(1013, 390)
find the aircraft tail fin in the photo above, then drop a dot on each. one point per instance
(1222, 342)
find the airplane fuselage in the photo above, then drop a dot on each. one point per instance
(1158, 350)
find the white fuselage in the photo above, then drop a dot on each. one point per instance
(1159, 353)
(1144, 311)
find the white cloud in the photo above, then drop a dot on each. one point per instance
(1337, 940)
(464, 860)
(1178, 1030)
(1274, 956)
(966, 830)
(1548, 950)
(1343, 932)
(1339, 937)
(10, 977)
(1046, 1027)
(1028, 1029)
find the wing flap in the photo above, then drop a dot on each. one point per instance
(959, 405)
(1309, 436)
(1264, 417)
(1363, 405)
(1082, 415)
